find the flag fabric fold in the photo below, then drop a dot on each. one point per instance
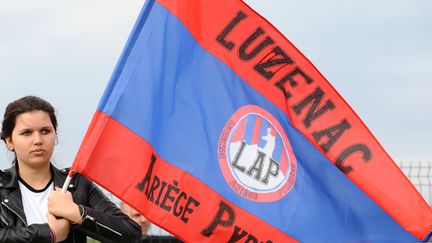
(218, 129)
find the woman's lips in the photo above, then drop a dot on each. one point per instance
(38, 152)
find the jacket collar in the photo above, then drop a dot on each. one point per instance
(9, 177)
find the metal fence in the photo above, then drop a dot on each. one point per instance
(420, 174)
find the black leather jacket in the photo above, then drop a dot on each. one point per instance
(104, 221)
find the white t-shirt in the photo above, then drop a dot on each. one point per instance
(35, 202)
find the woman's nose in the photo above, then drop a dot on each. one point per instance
(37, 138)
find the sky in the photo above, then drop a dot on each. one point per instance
(377, 55)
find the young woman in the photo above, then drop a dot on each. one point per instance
(32, 207)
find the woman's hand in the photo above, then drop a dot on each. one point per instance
(61, 205)
(60, 227)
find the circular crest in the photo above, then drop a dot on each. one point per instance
(255, 155)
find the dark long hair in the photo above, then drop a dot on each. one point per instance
(22, 105)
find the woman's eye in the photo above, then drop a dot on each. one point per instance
(26, 133)
(46, 131)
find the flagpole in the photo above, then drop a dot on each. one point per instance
(67, 181)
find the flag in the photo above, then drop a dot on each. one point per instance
(218, 129)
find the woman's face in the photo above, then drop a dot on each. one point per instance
(33, 139)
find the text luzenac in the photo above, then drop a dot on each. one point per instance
(313, 104)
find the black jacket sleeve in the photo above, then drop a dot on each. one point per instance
(103, 220)
(33, 233)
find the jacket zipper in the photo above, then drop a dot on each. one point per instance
(4, 221)
(15, 213)
(102, 225)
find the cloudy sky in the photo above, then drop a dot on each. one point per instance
(377, 54)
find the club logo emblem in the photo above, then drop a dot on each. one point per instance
(255, 155)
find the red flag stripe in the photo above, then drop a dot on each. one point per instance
(169, 202)
(239, 133)
(257, 130)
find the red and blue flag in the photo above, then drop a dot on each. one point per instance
(218, 129)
